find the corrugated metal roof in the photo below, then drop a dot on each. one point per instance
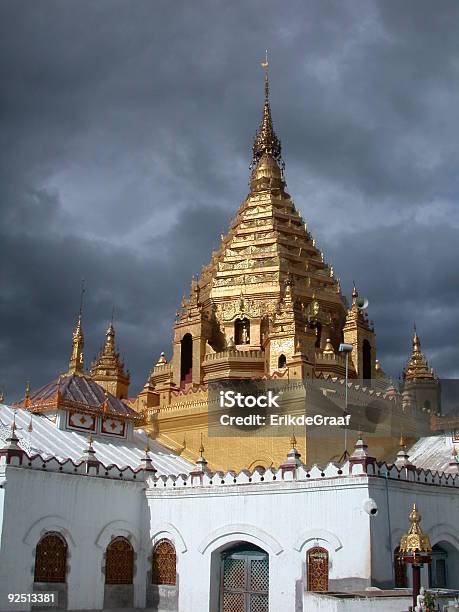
(49, 441)
(432, 452)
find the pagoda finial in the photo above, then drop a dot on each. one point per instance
(266, 141)
(76, 364)
(265, 66)
(109, 345)
(201, 448)
(355, 293)
(417, 366)
(293, 439)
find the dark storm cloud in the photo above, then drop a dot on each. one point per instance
(124, 148)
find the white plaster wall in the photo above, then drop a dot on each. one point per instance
(285, 519)
(321, 603)
(87, 511)
(439, 509)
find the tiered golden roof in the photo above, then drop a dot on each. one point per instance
(415, 541)
(417, 366)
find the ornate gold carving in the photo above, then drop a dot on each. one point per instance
(415, 541)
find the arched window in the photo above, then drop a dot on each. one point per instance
(242, 331)
(317, 569)
(163, 566)
(399, 570)
(366, 360)
(186, 358)
(51, 558)
(119, 562)
(282, 362)
(318, 335)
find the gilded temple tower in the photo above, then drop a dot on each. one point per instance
(267, 305)
(267, 292)
(358, 332)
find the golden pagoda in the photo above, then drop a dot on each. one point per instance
(421, 388)
(108, 368)
(266, 306)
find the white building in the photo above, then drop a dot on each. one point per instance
(104, 535)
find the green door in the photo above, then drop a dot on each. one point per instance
(245, 581)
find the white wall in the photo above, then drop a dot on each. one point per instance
(283, 518)
(88, 511)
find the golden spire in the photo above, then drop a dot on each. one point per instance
(27, 395)
(415, 541)
(293, 441)
(76, 364)
(402, 443)
(201, 448)
(417, 366)
(266, 141)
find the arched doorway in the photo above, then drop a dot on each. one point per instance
(444, 568)
(244, 579)
(242, 331)
(366, 360)
(186, 359)
(317, 563)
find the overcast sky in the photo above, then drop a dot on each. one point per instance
(125, 138)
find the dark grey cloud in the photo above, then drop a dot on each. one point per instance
(124, 148)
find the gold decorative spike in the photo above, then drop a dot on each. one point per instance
(201, 447)
(293, 441)
(76, 364)
(415, 541)
(27, 390)
(30, 426)
(402, 442)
